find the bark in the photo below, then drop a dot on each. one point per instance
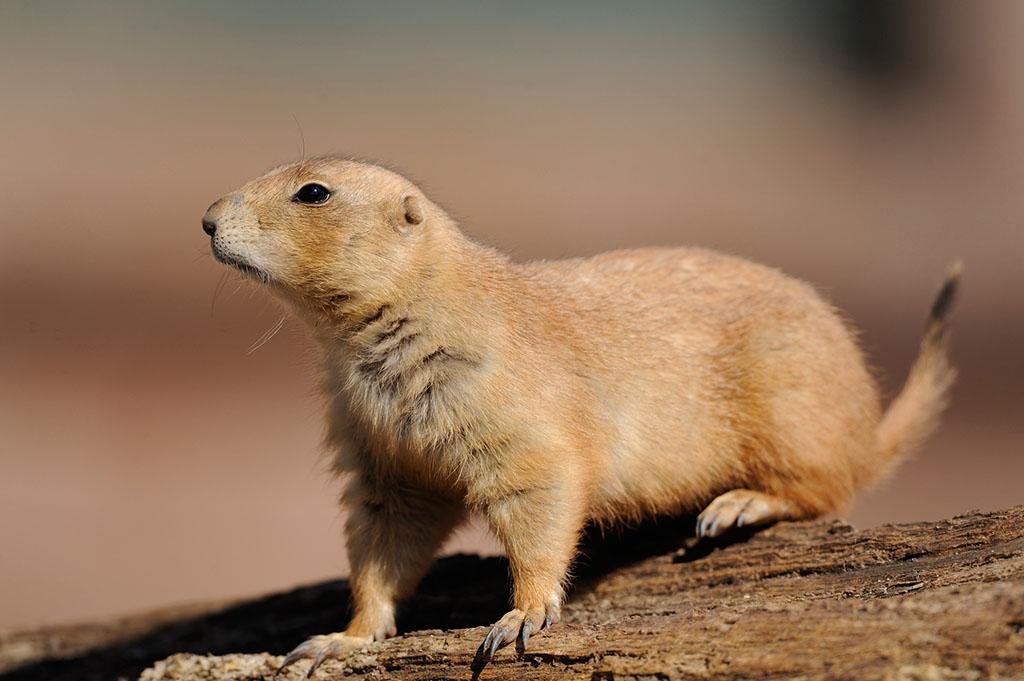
(811, 600)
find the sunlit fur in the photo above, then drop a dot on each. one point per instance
(548, 394)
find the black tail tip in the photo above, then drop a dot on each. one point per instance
(947, 295)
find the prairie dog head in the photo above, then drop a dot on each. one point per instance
(324, 231)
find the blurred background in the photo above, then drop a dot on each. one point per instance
(147, 458)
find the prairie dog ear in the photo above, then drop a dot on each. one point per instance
(412, 211)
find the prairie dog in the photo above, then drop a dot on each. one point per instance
(547, 395)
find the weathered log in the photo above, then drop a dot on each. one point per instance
(940, 600)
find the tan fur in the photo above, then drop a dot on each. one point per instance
(549, 394)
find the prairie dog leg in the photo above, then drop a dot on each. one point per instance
(743, 508)
(539, 529)
(393, 534)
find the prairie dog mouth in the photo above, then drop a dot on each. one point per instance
(242, 266)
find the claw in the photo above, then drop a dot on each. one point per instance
(481, 658)
(552, 614)
(320, 657)
(495, 639)
(524, 635)
(294, 656)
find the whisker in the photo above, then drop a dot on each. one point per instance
(265, 338)
(220, 287)
(302, 139)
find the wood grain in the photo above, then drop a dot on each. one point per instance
(812, 600)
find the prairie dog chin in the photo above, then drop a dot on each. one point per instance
(551, 394)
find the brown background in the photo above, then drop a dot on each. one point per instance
(146, 458)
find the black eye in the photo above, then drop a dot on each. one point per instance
(312, 193)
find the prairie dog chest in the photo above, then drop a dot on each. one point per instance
(406, 394)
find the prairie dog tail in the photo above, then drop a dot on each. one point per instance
(914, 414)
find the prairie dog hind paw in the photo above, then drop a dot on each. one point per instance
(741, 508)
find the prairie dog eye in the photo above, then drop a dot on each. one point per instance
(312, 194)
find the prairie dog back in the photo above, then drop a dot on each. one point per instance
(547, 395)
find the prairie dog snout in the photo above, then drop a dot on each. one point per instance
(548, 395)
(236, 237)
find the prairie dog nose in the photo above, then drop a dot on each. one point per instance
(213, 215)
